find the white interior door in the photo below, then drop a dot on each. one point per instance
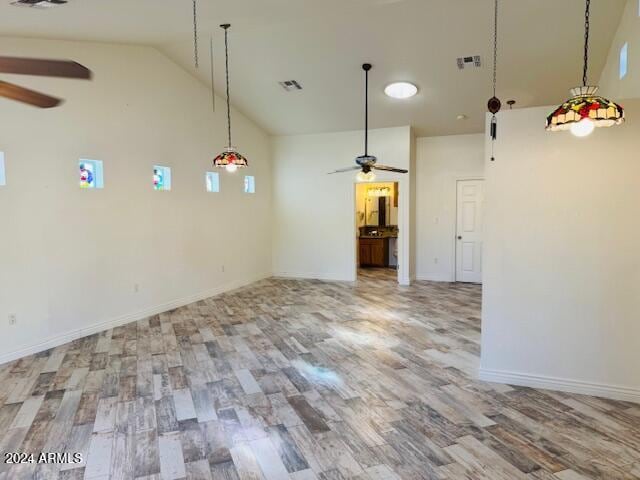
(469, 231)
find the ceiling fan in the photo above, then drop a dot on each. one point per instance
(44, 68)
(367, 163)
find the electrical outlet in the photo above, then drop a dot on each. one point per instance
(435, 260)
(12, 319)
(136, 287)
(222, 268)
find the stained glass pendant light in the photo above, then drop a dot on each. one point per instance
(585, 110)
(230, 158)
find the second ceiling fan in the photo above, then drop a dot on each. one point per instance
(367, 163)
(40, 67)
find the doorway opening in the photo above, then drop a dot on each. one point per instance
(377, 230)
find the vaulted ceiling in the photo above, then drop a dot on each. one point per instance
(322, 43)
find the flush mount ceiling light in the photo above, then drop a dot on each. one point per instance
(585, 110)
(401, 90)
(230, 159)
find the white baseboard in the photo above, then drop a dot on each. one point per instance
(60, 339)
(312, 276)
(434, 277)
(628, 394)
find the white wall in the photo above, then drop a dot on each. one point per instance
(69, 258)
(562, 264)
(314, 213)
(411, 239)
(611, 86)
(441, 162)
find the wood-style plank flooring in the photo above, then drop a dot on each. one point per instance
(304, 380)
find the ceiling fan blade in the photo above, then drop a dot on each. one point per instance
(349, 169)
(389, 169)
(24, 95)
(42, 67)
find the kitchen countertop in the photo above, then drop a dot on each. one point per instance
(377, 236)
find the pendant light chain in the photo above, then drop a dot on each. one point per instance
(226, 52)
(494, 103)
(495, 47)
(213, 91)
(587, 25)
(195, 33)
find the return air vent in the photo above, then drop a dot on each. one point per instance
(43, 4)
(290, 85)
(467, 62)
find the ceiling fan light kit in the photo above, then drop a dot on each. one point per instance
(585, 110)
(367, 163)
(363, 176)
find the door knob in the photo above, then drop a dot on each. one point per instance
(459, 237)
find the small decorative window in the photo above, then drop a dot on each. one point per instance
(3, 177)
(249, 184)
(213, 182)
(624, 60)
(161, 178)
(90, 172)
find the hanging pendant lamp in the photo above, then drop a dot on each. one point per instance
(230, 158)
(585, 110)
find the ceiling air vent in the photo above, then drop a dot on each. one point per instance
(38, 3)
(290, 85)
(466, 62)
